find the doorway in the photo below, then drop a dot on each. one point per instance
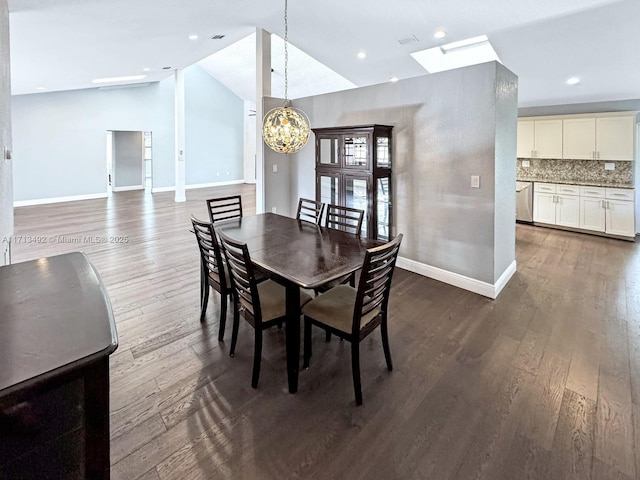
(129, 161)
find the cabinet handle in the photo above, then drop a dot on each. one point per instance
(593, 154)
(597, 155)
(591, 193)
(608, 207)
(531, 153)
(618, 194)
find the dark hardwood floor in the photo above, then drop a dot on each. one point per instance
(543, 382)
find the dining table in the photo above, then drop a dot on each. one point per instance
(297, 254)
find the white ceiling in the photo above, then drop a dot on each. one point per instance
(64, 44)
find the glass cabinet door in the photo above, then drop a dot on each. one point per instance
(383, 152)
(356, 150)
(356, 196)
(328, 151)
(328, 189)
(383, 208)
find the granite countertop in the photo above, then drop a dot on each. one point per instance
(576, 182)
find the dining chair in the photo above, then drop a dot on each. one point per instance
(213, 271)
(262, 305)
(224, 208)
(310, 211)
(351, 313)
(344, 218)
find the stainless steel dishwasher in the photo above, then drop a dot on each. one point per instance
(524, 202)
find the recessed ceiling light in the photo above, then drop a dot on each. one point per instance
(118, 79)
(440, 33)
(193, 36)
(393, 79)
(145, 69)
(573, 81)
(40, 88)
(362, 55)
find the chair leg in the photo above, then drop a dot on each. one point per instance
(257, 357)
(234, 330)
(385, 344)
(355, 367)
(223, 316)
(205, 301)
(307, 343)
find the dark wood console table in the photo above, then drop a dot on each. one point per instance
(57, 331)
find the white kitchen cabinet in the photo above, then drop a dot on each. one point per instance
(620, 218)
(614, 214)
(539, 138)
(526, 138)
(544, 207)
(614, 138)
(568, 210)
(556, 204)
(592, 216)
(579, 138)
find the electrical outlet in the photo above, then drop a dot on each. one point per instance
(275, 168)
(475, 181)
(609, 166)
(273, 210)
(526, 163)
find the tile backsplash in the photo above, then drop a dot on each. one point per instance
(576, 170)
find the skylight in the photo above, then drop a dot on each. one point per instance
(463, 53)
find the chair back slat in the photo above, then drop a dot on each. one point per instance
(210, 253)
(310, 210)
(375, 280)
(224, 208)
(346, 219)
(243, 280)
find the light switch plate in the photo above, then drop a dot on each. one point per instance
(609, 166)
(475, 181)
(275, 168)
(526, 163)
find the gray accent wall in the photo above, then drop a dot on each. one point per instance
(128, 159)
(60, 137)
(447, 127)
(6, 175)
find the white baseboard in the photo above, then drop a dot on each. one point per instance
(198, 185)
(71, 198)
(471, 284)
(127, 189)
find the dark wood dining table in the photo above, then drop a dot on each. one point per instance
(297, 254)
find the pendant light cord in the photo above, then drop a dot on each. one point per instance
(286, 53)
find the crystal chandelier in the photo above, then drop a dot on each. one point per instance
(285, 129)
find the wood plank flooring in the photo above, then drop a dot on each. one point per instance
(542, 383)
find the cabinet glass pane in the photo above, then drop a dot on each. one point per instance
(328, 151)
(383, 152)
(356, 197)
(328, 189)
(383, 208)
(355, 151)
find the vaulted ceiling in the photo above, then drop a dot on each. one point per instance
(64, 44)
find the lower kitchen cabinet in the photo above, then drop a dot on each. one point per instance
(556, 204)
(596, 209)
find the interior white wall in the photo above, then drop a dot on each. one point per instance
(447, 127)
(60, 137)
(214, 130)
(6, 173)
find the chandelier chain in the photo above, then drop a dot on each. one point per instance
(286, 52)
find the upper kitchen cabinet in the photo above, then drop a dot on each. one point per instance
(599, 137)
(539, 138)
(353, 169)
